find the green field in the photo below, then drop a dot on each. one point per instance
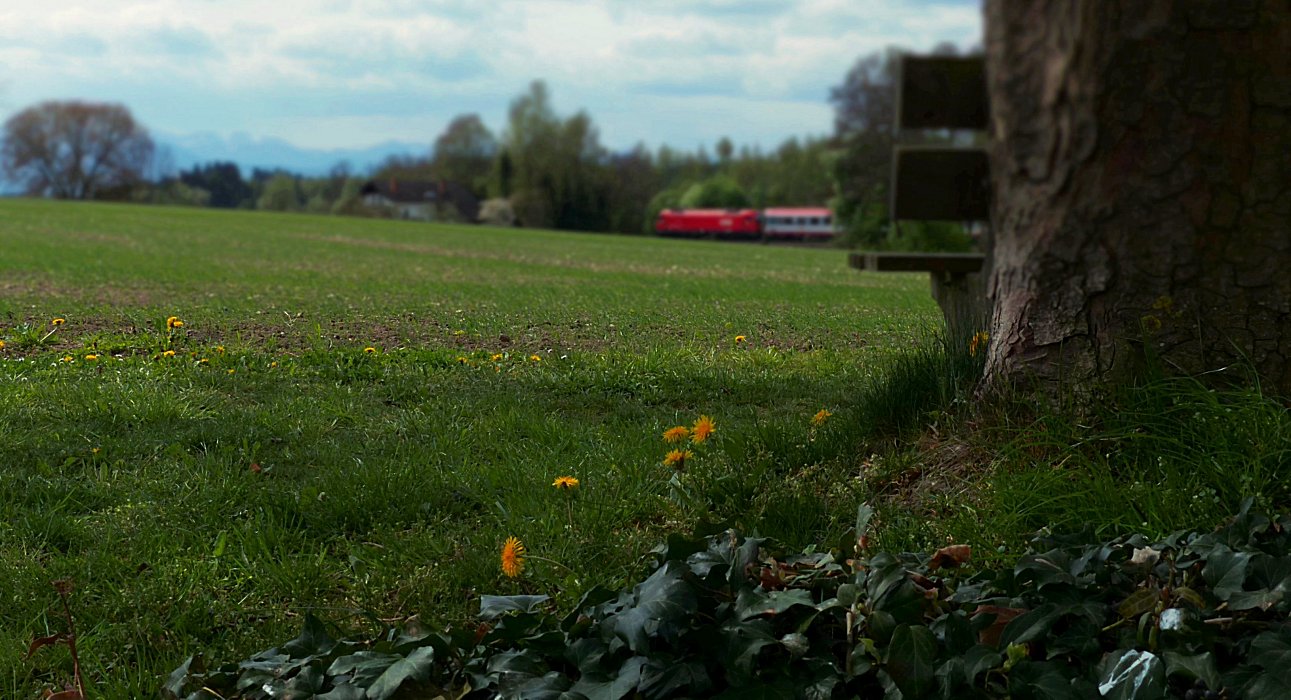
(272, 466)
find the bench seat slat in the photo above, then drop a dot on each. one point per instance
(954, 263)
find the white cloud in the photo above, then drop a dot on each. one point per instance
(330, 62)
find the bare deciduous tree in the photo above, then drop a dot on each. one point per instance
(74, 150)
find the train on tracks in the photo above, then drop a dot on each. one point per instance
(805, 224)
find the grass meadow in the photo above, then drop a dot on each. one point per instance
(355, 414)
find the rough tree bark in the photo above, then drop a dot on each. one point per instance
(1141, 163)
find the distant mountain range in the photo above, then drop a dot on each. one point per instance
(188, 150)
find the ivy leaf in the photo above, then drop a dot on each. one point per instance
(742, 557)
(313, 640)
(1262, 599)
(955, 631)
(950, 676)
(909, 660)
(1270, 650)
(881, 626)
(1040, 680)
(1270, 685)
(623, 683)
(1079, 637)
(783, 689)
(366, 666)
(586, 653)
(552, 686)
(1226, 571)
(754, 603)
(659, 603)
(416, 667)
(174, 687)
(1270, 571)
(306, 683)
(980, 659)
(519, 663)
(670, 680)
(344, 691)
(1031, 625)
(1193, 666)
(586, 608)
(890, 590)
(964, 668)
(1046, 569)
(679, 547)
(495, 606)
(740, 644)
(821, 681)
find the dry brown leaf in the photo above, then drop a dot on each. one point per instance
(990, 636)
(950, 556)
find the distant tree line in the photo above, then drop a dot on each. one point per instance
(545, 170)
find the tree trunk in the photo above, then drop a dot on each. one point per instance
(1141, 164)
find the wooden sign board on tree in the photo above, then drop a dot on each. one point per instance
(939, 183)
(942, 92)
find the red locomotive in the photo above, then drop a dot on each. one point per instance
(782, 223)
(734, 224)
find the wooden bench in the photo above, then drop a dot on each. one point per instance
(941, 183)
(956, 283)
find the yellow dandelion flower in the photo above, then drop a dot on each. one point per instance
(203, 361)
(66, 358)
(219, 349)
(535, 358)
(1, 345)
(565, 482)
(676, 434)
(174, 322)
(369, 349)
(459, 332)
(273, 364)
(1151, 323)
(91, 357)
(495, 356)
(58, 322)
(168, 353)
(232, 371)
(740, 339)
(512, 557)
(95, 450)
(461, 360)
(702, 428)
(677, 459)
(821, 416)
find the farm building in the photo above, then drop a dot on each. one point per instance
(419, 200)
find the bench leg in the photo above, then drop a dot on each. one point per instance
(962, 298)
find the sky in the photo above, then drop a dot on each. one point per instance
(332, 74)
